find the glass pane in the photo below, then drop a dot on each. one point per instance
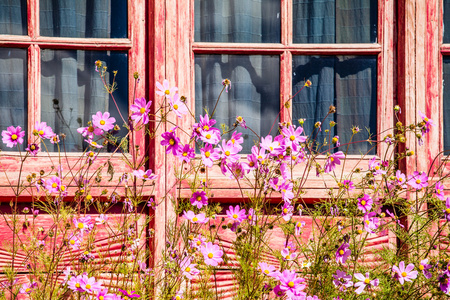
(347, 82)
(254, 93)
(335, 21)
(243, 21)
(72, 91)
(13, 17)
(446, 96)
(13, 91)
(83, 18)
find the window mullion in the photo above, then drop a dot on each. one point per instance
(286, 22)
(34, 86)
(33, 18)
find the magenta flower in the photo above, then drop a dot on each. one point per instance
(53, 185)
(188, 268)
(400, 178)
(428, 123)
(191, 216)
(240, 121)
(171, 141)
(212, 254)
(199, 199)
(209, 155)
(236, 214)
(130, 294)
(291, 284)
(145, 175)
(165, 89)
(229, 151)
(333, 160)
(42, 130)
(293, 137)
(178, 106)
(205, 124)
(348, 185)
(424, 267)
(287, 211)
(140, 109)
(272, 146)
(267, 269)
(418, 180)
(342, 280)
(375, 167)
(186, 153)
(371, 222)
(342, 253)
(363, 282)
(12, 136)
(440, 191)
(103, 121)
(286, 191)
(405, 274)
(447, 209)
(33, 149)
(365, 203)
(211, 136)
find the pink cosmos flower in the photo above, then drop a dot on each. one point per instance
(237, 140)
(405, 274)
(251, 217)
(298, 227)
(84, 224)
(418, 180)
(400, 178)
(447, 209)
(291, 284)
(212, 254)
(198, 241)
(342, 280)
(428, 123)
(348, 185)
(240, 121)
(293, 136)
(267, 269)
(33, 149)
(440, 191)
(89, 284)
(424, 267)
(229, 151)
(365, 203)
(54, 139)
(186, 153)
(210, 137)
(199, 199)
(286, 191)
(287, 211)
(130, 294)
(74, 283)
(191, 216)
(287, 255)
(333, 160)
(371, 222)
(140, 109)
(342, 253)
(171, 141)
(145, 175)
(188, 268)
(178, 106)
(27, 288)
(74, 242)
(42, 130)
(53, 185)
(12, 136)
(165, 89)
(205, 124)
(101, 219)
(272, 146)
(236, 214)
(93, 144)
(209, 155)
(364, 281)
(103, 121)
(375, 167)
(89, 131)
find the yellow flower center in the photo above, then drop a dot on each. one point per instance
(63, 188)
(227, 153)
(210, 255)
(400, 179)
(54, 185)
(291, 284)
(292, 138)
(367, 222)
(102, 122)
(14, 137)
(77, 285)
(28, 290)
(235, 216)
(359, 231)
(404, 274)
(266, 271)
(447, 210)
(363, 202)
(185, 154)
(366, 281)
(426, 119)
(421, 267)
(194, 219)
(41, 132)
(208, 136)
(91, 154)
(331, 159)
(72, 242)
(91, 129)
(341, 252)
(199, 198)
(177, 298)
(167, 92)
(80, 225)
(206, 128)
(207, 154)
(175, 106)
(88, 286)
(199, 243)
(94, 143)
(249, 217)
(377, 167)
(172, 142)
(88, 197)
(288, 257)
(142, 110)
(418, 181)
(285, 210)
(438, 191)
(334, 140)
(32, 147)
(101, 298)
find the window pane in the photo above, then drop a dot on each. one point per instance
(254, 93)
(347, 82)
(243, 21)
(72, 91)
(13, 91)
(13, 17)
(335, 21)
(446, 83)
(83, 18)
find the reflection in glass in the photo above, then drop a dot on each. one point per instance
(242, 21)
(72, 91)
(347, 82)
(446, 104)
(335, 21)
(254, 93)
(83, 18)
(13, 17)
(13, 90)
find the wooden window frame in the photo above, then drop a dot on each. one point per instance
(384, 49)
(134, 44)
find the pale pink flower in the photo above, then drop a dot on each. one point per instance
(212, 254)
(404, 274)
(103, 121)
(165, 89)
